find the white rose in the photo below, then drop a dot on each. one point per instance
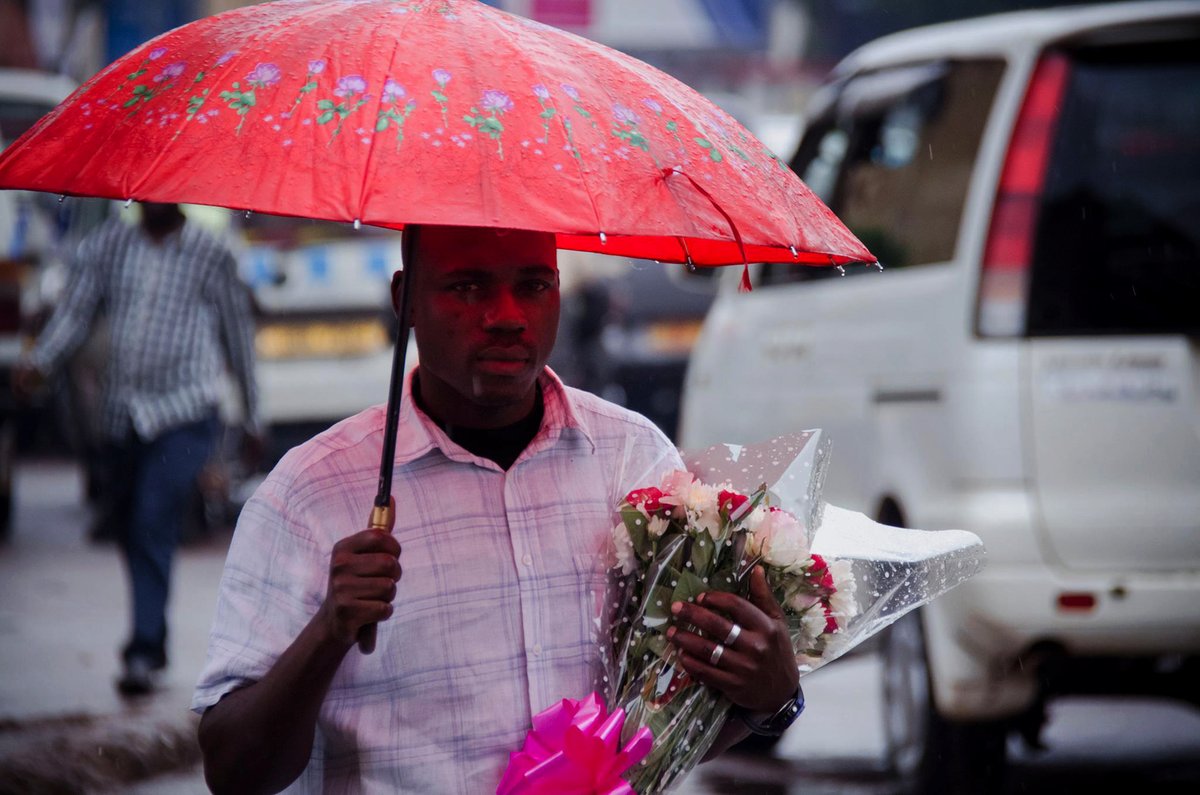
(784, 543)
(626, 556)
(657, 526)
(812, 624)
(842, 604)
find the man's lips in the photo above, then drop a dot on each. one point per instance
(504, 359)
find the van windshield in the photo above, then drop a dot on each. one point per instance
(1118, 237)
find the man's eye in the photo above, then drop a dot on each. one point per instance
(538, 285)
(464, 287)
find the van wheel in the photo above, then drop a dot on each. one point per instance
(926, 752)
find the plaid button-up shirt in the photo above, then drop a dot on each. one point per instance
(176, 311)
(497, 610)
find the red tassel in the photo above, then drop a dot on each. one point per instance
(745, 287)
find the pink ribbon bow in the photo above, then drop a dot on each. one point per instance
(574, 749)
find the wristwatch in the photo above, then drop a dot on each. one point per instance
(773, 725)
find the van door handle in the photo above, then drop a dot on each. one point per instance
(907, 396)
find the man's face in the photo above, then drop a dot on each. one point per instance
(485, 310)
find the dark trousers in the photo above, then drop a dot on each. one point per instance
(152, 481)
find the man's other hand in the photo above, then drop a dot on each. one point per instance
(757, 670)
(363, 571)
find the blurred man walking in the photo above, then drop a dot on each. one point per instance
(176, 312)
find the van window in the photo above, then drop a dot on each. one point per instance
(893, 158)
(1117, 249)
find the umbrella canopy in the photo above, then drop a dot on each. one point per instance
(428, 112)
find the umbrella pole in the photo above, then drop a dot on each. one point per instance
(383, 512)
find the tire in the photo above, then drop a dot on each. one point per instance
(926, 752)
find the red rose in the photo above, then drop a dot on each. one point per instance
(820, 573)
(730, 501)
(647, 498)
(831, 623)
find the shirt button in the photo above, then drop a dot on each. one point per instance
(537, 649)
(527, 560)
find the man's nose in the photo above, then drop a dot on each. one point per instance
(504, 313)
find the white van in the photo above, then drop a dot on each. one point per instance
(1026, 366)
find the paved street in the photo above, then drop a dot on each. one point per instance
(62, 616)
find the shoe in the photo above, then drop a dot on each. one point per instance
(139, 678)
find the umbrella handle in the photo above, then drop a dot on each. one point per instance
(383, 519)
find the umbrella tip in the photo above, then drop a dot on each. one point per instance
(357, 223)
(603, 239)
(128, 202)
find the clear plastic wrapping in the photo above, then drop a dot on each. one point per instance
(839, 576)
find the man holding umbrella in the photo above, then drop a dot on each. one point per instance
(505, 485)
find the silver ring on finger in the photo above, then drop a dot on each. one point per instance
(734, 633)
(715, 657)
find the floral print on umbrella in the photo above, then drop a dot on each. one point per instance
(442, 77)
(264, 75)
(315, 67)
(393, 94)
(494, 104)
(348, 89)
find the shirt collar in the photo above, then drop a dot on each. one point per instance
(417, 434)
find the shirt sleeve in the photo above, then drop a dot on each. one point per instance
(73, 315)
(232, 299)
(274, 580)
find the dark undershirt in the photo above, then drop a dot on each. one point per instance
(502, 445)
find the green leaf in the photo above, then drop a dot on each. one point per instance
(324, 104)
(137, 74)
(199, 77)
(235, 84)
(438, 95)
(658, 607)
(716, 156)
(382, 124)
(140, 90)
(471, 120)
(548, 113)
(129, 102)
(325, 117)
(672, 126)
(702, 552)
(690, 586)
(636, 524)
(704, 142)
(249, 98)
(638, 140)
(307, 87)
(492, 126)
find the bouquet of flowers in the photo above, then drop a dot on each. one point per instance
(756, 505)
(674, 542)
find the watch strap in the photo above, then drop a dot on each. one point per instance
(774, 724)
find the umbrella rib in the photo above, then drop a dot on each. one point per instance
(371, 148)
(561, 119)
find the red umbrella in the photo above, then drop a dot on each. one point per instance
(428, 112)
